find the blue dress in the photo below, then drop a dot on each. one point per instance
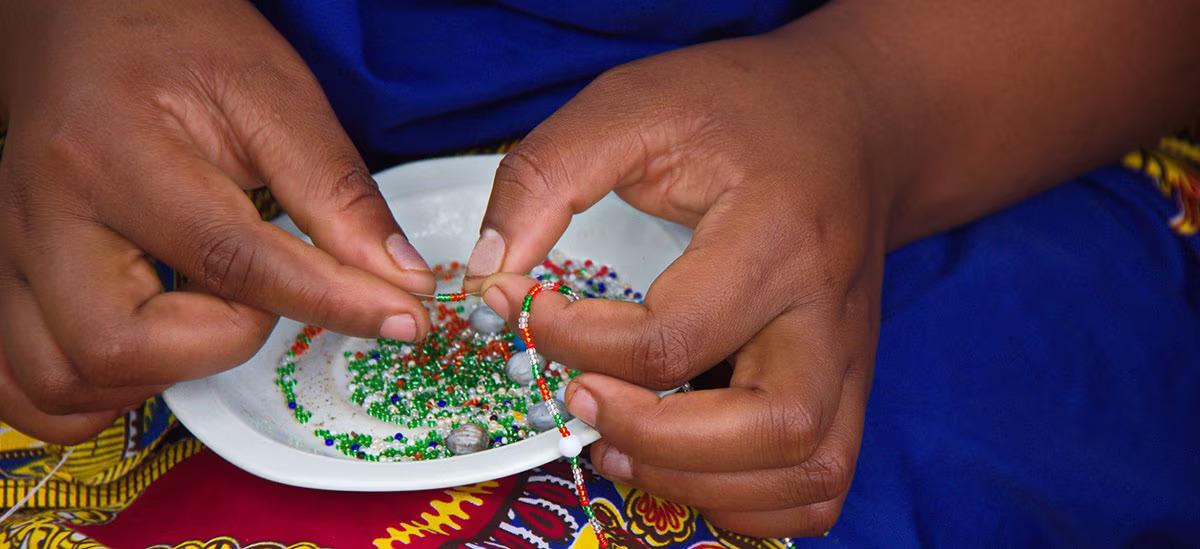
(1038, 372)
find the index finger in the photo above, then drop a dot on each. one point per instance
(199, 222)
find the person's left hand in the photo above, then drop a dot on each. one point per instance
(758, 147)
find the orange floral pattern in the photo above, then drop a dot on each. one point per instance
(657, 520)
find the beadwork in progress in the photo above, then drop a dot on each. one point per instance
(468, 386)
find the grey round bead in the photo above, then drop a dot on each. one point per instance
(467, 439)
(518, 368)
(485, 321)
(541, 419)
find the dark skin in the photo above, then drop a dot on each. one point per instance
(799, 157)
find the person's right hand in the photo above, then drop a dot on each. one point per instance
(133, 129)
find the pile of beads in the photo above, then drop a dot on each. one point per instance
(587, 278)
(464, 388)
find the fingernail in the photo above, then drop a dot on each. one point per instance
(497, 301)
(581, 403)
(399, 327)
(488, 253)
(404, 254)
(615, 464)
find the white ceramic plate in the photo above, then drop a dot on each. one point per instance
(240, 414)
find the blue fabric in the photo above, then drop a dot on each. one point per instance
(412, 78)
(1038, 381)
(1038, 378)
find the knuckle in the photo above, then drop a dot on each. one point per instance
(226, 262)
(525, 171)
(324, 305)
(661, 356)
(792, 428)
(820, 479)
(353, 187)
(108, 359)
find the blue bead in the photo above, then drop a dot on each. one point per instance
(433, 444)
(612, 274)
(601, 287)
(637, 295)
(399, 436)
(395, 399)
(292, 405)
(329, 442)
(628, 291)
(498, 438)
(518, 344)
(441, 404)
(354, 447)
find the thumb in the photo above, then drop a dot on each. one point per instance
(565, 165)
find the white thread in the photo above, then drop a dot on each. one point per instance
(29, 495)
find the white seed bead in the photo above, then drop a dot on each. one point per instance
(551, 407)
(570, 446)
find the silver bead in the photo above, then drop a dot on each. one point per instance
(485, 321)
(467, 439)
(519, 369)
(541, 417)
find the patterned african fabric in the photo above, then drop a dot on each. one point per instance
(115, 493)
(1174, 166)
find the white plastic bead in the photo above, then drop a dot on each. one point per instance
(569, 446)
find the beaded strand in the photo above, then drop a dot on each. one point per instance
(569, 445)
